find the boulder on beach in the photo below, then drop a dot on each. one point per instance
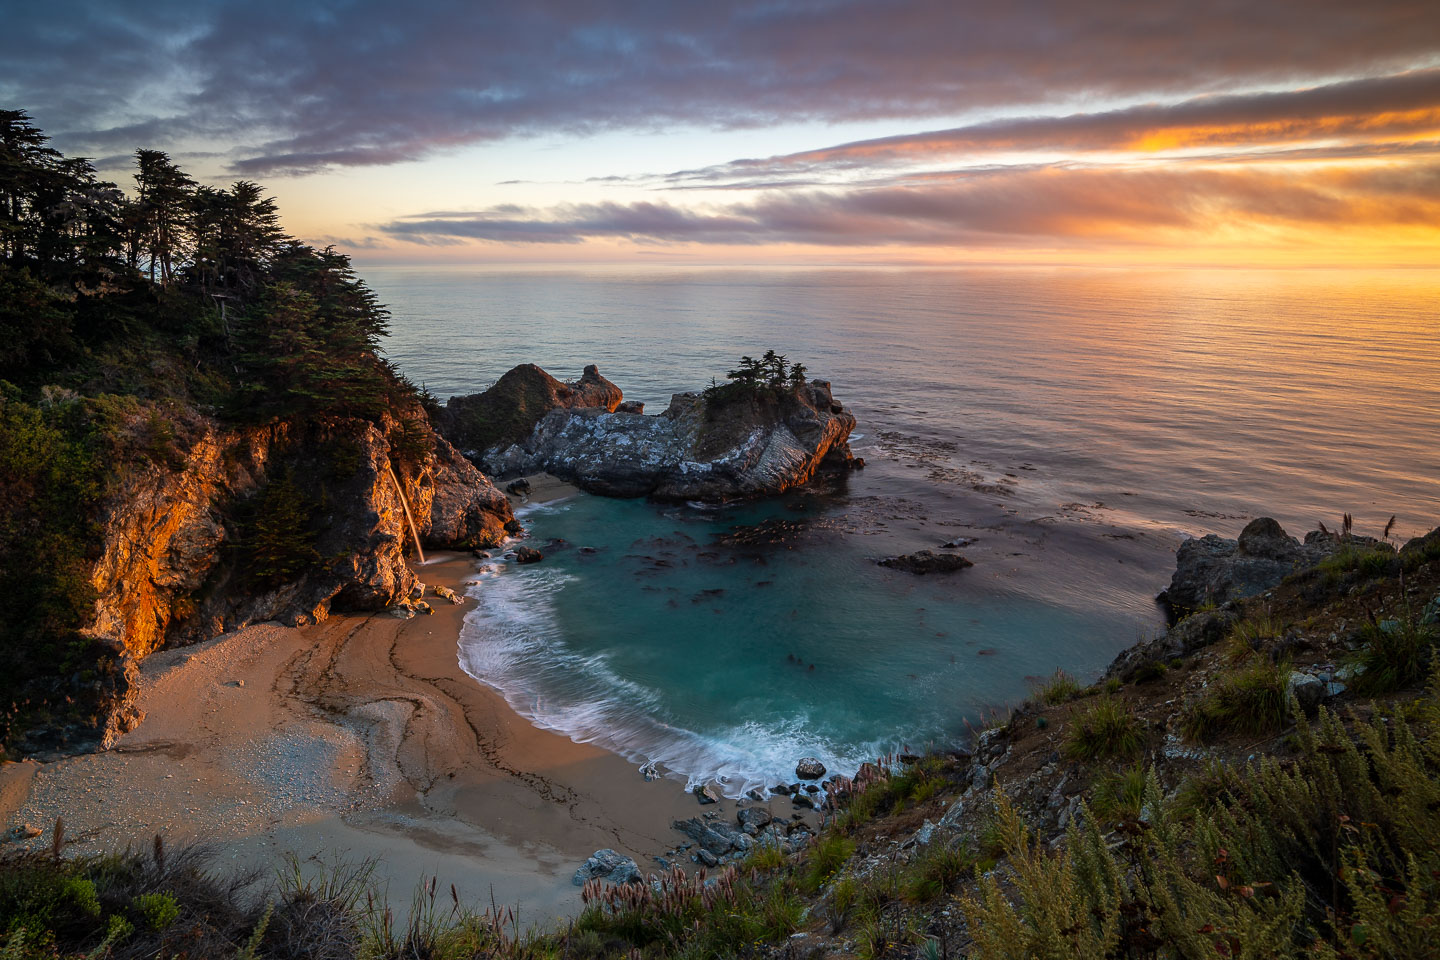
(927, 561)
(705, 794)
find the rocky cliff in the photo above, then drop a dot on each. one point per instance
(700, 448)
(173, 567)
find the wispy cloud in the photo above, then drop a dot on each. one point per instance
(997, 207)
(1371, 114)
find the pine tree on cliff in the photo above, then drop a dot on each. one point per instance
(165, 197)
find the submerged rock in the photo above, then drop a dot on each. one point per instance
(927, 561)
(528, 555)
(713, 447)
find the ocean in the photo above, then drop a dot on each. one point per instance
(1074, 424)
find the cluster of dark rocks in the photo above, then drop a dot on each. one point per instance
(713, 840)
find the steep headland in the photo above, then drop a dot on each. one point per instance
(196, 432)
(720, 444)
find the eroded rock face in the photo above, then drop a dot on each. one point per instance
(694, 450)
(509, 411)
(167, 570)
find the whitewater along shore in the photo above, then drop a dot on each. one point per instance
(359, 737)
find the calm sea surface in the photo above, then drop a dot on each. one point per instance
(1077, 425)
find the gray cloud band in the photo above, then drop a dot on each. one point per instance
(284, 86)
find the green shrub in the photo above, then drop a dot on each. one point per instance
(1103, 729)
(1148, 672)
(913, 783)
(1395, 654)
(158, 911)
(1251, 702)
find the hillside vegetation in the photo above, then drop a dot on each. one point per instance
(130, 325)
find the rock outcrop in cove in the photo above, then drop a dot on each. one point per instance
(702, 447)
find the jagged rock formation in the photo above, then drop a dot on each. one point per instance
(168, 572)
(1212, 570)
(508, 411)
(697, 449)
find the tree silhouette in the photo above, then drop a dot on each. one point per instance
(164, 201)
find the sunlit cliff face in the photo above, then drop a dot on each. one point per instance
(1288, 133)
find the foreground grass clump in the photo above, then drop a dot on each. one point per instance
(1394, 654)
(1104, 729)
(686, 916)
(826, 856)
(1250, 702)
(130, 904)
(1247, 636)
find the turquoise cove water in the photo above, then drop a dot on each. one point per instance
(1074, 425)
(666, 640)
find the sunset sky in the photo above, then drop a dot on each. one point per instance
(1115, 131)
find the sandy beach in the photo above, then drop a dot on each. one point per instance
(357, 738)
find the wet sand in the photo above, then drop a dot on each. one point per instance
(357, 738)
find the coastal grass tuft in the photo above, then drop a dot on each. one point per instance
(911, 785)
(1370, 561)
(1103, 729)
(936, 871)
(1249, 635)
(1248, 702)
(1394, 654)
(826, 856)
(1119, 795)
(1059, 688)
